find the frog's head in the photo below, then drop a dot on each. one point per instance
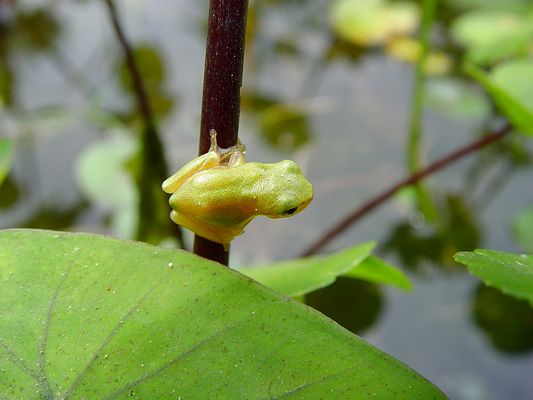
(293, 192)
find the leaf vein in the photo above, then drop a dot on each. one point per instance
(308, 384)
(43, 380)
(174, 361)
(17, 360)
(106, 341)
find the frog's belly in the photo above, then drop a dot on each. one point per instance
(213, 232)
(216, 205)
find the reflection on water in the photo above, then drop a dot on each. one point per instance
(338, 108)
(418, 243)
(508, 322)
(9, 194)
(353, 303)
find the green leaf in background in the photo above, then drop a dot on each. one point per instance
(85, 316)
(283, 125)
(517, 78)
(374, 269)
(35, 29)
(299, 276)
(493, 35)
(410, 50)
(6, 157)
(103, 178)
(523, 228)
(152, 69)
(150, 64)
(511, 273)
(373, 22)
(457, 98)
(303, 275)
(510, 85)
(511, 5)
(6, 84)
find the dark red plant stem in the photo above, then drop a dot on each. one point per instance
(222, 84)
(381, 198)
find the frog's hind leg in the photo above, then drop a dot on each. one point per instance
(201, 163)
(208, 231)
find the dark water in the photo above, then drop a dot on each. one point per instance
(344, 121)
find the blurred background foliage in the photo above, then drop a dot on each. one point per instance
(329, 84)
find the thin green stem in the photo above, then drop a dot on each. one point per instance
(153, 167)
(418, 97)
(414, 152)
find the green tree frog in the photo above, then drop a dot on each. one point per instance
(217, 194)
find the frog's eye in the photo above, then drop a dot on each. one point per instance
(290, 211)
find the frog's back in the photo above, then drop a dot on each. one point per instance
(222, 196)
(239, 193)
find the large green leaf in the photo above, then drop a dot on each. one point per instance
(510, 85)
(511, 273)
(85, 316)
(303, 275)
